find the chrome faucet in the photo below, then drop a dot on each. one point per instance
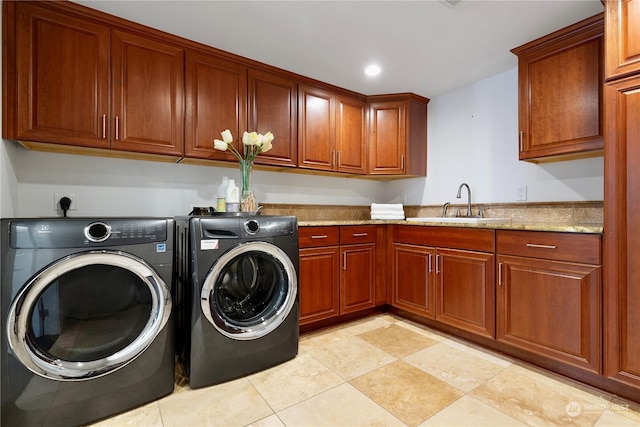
(459, 195)
(444, 209)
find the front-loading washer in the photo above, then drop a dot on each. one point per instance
(87, 323)
(237, 278)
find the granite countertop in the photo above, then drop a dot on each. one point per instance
(512, 225)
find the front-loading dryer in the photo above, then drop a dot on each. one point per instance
(238, 283)
(87, 323)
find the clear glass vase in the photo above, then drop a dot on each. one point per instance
(247, 198)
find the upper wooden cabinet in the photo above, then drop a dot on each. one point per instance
(397, 135)
(216, 100)
(622, 22)
(51, 105)
(273, 108)
(331, 130)
(63, 90)
(76, 77)
(560, 79)
(148, 95)
(351, 131)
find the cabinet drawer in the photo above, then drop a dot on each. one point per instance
(312, 237)
(354, 234)
(572, 247)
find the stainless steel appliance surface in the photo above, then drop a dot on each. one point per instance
(87, 317)
(237, 285)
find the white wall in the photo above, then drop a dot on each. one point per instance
(472, 138)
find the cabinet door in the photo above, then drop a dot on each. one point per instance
(387, 146)
(62, 78)
(273, 108)
(319, 287)
(316, 128)
(412, 285)
(622, 25)
(147, 96)
(216, 95)
(560, 93)
(552, 309)
(622, 236)
(357, 277)
(350, 135)
(465, 290)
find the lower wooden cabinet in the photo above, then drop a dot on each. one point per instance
(412, 287)
(336, 270)
(452, 285)
(548, 303)
(465, 296)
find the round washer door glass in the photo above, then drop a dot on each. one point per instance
(87, 314)
(249, 291)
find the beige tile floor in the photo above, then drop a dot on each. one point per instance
(385, 371)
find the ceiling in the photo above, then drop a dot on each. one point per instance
(427, 47)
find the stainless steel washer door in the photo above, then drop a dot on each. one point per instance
(249, 291)
(87, 315)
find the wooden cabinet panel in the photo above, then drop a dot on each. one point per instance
(62, 79)
(412, 286)
(351, 135)
(148, 95)
(316, 128)
(552, 309)
(312, 237)
(216, 93)
(387, 151)
(397, 142)
(357, 277)
(622, 235)
(573, 247)
(319, 290)
(560, 93)
(273, 108)
(355, 234)
(465, 290)
(622, 22)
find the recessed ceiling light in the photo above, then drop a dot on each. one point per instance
(372, 70)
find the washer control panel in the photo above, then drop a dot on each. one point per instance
(78, 232)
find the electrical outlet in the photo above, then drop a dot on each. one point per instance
(58, 196)
(521, 193)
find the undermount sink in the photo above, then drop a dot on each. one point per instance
(462, 220)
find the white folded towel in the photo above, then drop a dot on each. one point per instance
(387, 212)
(387, 207)
(388, 216)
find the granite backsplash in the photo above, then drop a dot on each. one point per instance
(590, 212)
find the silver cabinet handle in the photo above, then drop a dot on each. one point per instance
(521, 139)
(403, 162)
(437, 264)
(104, 126)
(339, 159)
(499, 274)
(535, 245)
(321, 236)
(360, 234)
(344, 261)
(430, 265)
(117, 128)
(333, 158)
